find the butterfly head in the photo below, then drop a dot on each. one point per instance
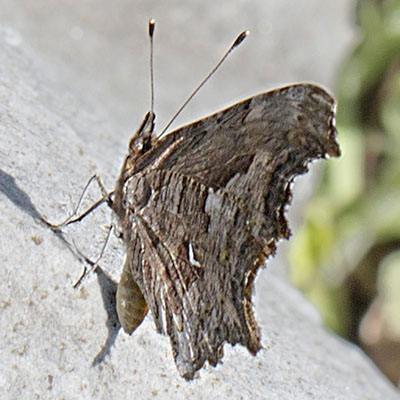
(141, 140)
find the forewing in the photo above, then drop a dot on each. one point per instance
(254, 149)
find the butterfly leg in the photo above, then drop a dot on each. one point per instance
(106, 198)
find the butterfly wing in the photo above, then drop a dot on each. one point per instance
(208, 204)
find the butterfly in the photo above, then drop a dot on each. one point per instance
(201, 208)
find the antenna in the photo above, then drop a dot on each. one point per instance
(235, 44)
(152, 27)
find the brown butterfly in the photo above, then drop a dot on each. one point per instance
(200, 210)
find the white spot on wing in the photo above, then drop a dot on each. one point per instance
(192, 258)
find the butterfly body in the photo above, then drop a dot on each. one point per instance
(203, 207)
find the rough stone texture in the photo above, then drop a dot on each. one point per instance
(73, 87)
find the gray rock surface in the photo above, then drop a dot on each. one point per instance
(73, 87)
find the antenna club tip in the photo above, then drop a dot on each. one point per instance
(152, 26)
(240, 38)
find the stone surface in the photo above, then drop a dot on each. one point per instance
(73, 87)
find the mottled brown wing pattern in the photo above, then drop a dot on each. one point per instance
(203, 208)
(193, 266)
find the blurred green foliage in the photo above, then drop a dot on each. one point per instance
(346, 254)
